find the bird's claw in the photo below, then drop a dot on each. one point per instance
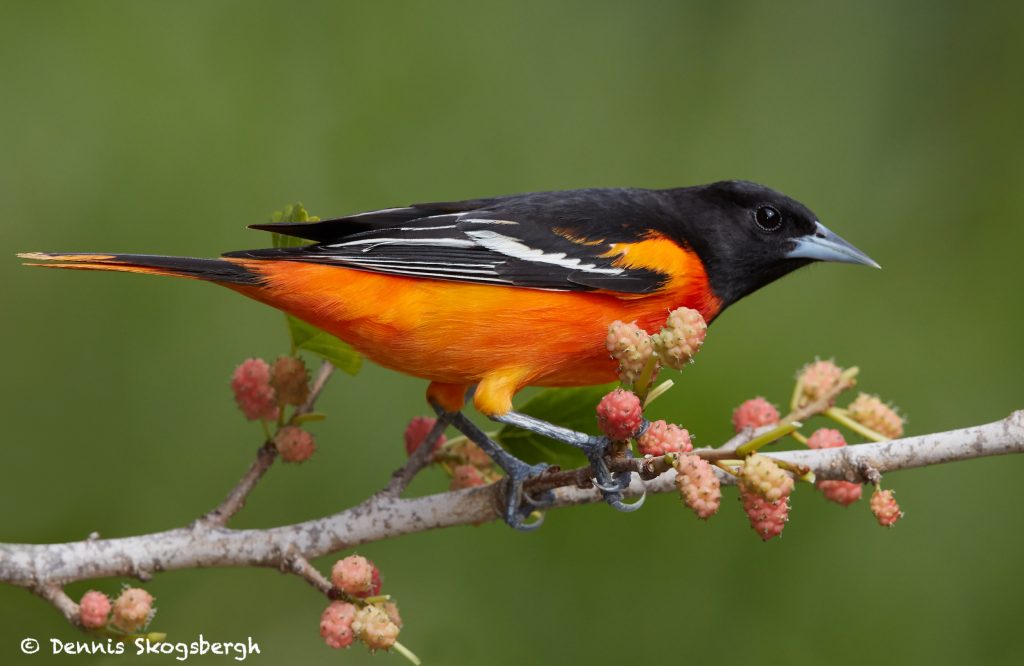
(519, 506)
(612, 484)
(606, 489)
(626, 507)
(547, 499)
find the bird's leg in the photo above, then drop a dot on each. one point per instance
(518, 504)
(611, 484)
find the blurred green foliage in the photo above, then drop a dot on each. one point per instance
(168, 127)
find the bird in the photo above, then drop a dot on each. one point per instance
(488, 296)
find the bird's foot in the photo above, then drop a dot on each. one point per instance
(611, 484)
(521, 510)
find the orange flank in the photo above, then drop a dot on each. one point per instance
(458, 334)
(455, 334)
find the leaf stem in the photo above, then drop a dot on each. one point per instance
(767, 438)
(658, 391)
(407, 653)
(642, 385)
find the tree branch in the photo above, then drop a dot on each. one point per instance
(42, 568)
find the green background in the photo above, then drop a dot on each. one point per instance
(168, 127)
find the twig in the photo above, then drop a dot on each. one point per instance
(265, 457)
(235, 500)
(317, 387)
(55, 594)
(420, 458)
(295, 563)
(385, 517)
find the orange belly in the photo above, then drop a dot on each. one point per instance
(458, 334)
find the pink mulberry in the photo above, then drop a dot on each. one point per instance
(818, 379)
(885, 508)
(357, 576)
(94, 609)
(662, 438)
(294, 444)
(336, 624)
(619, 414)
(767, 518)
(253, 392)
(417, 431)
(754, 413)
(698, 485)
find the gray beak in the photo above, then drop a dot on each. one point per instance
(824, 245)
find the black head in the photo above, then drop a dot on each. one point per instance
(748, 235)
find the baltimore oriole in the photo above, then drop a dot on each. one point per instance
(444, 291)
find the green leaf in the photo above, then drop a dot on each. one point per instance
(312, 339)
(306, 336)
(291, 213)
(568, 407)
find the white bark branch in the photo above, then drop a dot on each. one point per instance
(44, 568)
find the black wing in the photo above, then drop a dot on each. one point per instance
(548, 240)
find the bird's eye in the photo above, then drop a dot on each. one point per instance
(768, 218)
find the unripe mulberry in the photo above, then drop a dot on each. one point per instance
(94, 609)
(132, 609)
(620, 415)
(662, 438)
(417, 430)
(766, 517)
(294, 444)
(375, 628)
(885, 508)
(336, 624)
(681, 338)
(357, 576)
(698, 485)
(466, 476)
(818, 379)
(754, 413)
(630, 345)
(826, 438)
(761, 475)
(253, 392)
(870, 411)
(841, 492)
(290, 380)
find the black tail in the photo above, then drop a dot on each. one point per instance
(214, 270)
